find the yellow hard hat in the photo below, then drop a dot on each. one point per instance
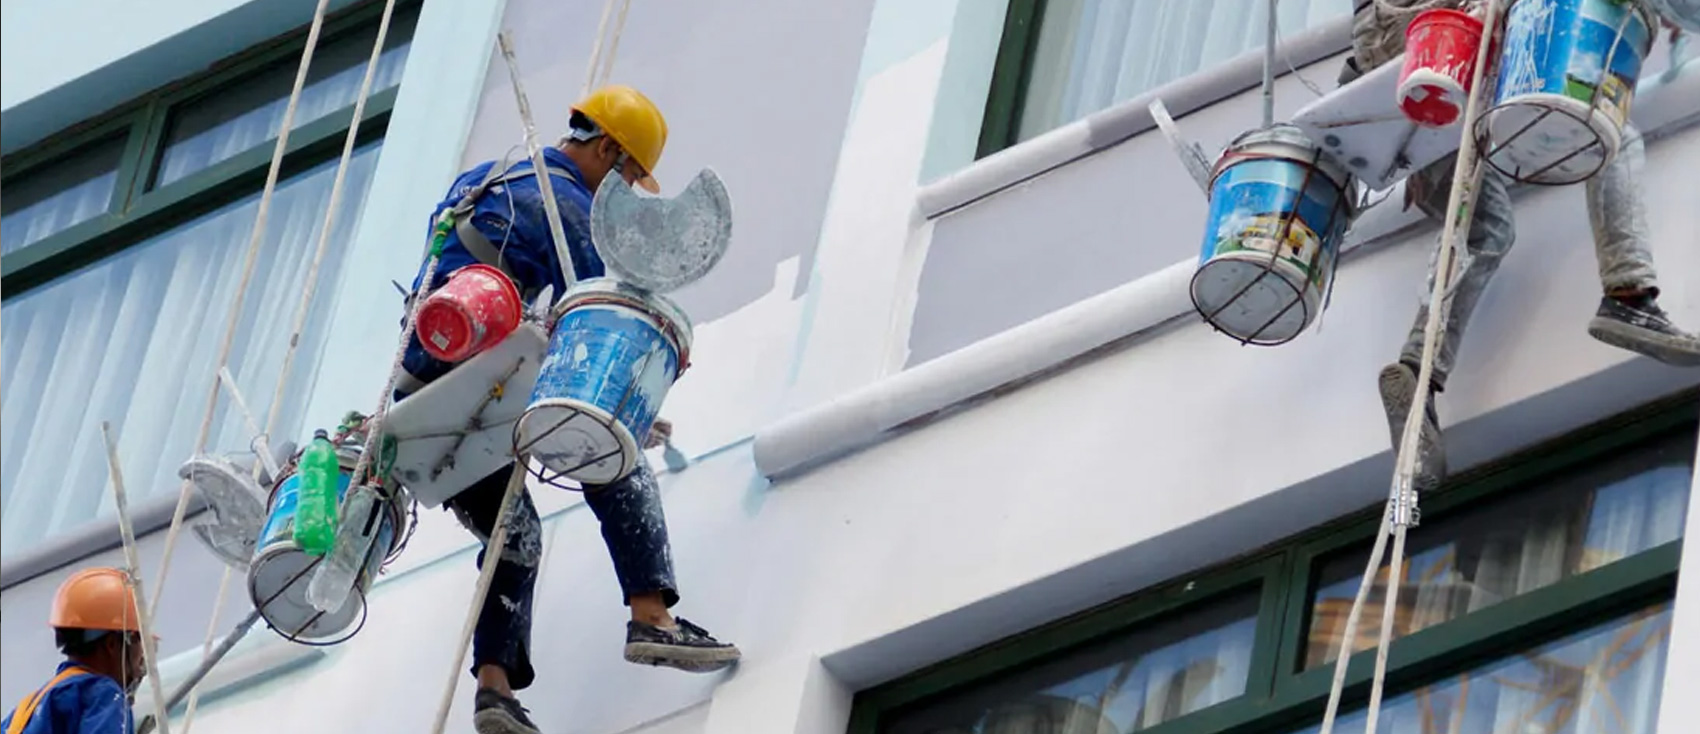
(96, 599)
(632, 121)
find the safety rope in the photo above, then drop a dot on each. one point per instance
(254, 238)
(144, 614)
(1402, 510)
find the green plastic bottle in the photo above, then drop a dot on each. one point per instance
(316, 509)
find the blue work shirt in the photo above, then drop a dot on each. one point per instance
(83, 704)
(512, 211)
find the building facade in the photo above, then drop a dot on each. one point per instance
(962, 456)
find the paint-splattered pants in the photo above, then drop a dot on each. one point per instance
(1615, 210)
(633, 526)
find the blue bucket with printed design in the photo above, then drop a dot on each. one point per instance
(615, 353)
(1566, 79)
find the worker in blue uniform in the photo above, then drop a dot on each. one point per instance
(96, 623)
(499, 221)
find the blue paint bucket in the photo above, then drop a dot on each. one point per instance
(1271, 185)
(615, 353)
(280, 572)
(1566, 79)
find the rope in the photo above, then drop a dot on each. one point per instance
(557, 231)
(1402, 504)
(144, 613)
(254, 239)
(207, 647)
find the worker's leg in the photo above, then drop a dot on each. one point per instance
(1492, 232)
(501, 642)
(635, 529)
(1629, 316)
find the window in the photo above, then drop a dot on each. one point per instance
(1605, 679)
(50, 199)
(117, 292)
(1062, 60)
(1129, 682)
(1556, 568)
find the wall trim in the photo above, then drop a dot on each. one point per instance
(95, 536)
(1114, 319)
(1115, 125)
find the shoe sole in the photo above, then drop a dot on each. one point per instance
(497, 721)
(1398, 386)
(688, 659)
(1677, 352)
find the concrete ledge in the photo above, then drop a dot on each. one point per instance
(1108, 127)
(94, 537)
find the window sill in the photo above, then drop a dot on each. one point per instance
(1114, 319)
(259, 657)
(1112, 126)
(95, 536)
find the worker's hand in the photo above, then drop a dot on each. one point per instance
(659, 433)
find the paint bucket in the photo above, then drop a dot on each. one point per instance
(1271, 185)
(1685, 14)
(476, 309)
(1566, 81)
(615, 353)
(280, 572)
(1440, 62)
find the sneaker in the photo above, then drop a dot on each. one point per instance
(1644, 328)
(494, 713)
(1398, 388)
(684, 646)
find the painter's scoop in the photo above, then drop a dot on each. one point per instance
(660, 244)
(236, 505)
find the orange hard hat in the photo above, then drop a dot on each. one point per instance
(97, 599)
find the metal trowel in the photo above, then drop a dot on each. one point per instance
(661, 244)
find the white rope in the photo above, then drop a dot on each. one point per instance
(590, 66)
(207, 647)
(614, 43)
(1401, 506)
(540, 168)
(331, 208)
(235, 318)
(144, 614)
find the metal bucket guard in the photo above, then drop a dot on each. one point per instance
(237, 508)
(662, 244)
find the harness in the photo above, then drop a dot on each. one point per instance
(26, 709)
(479, 246)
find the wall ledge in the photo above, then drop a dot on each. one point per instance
(1116, 318)
(1114, 125)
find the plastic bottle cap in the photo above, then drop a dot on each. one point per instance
(320, 433)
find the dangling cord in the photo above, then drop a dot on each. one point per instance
(1402, 504)
(144, 613)
(254, 238)
(207, 647)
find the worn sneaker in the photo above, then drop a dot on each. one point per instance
(685, 646)
(1644, 328)
(1398, 389)
(494, 713)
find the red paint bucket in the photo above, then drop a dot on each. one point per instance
(1440, 61)
(476, 309)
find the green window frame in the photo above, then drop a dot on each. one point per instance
(137, 212)
(1278, 696)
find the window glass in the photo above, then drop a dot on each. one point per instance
(242, 115)
(1092, 54)
(1568, 525)
(1125, 683)
(134, 340)
(1607, 679)
(61, 193)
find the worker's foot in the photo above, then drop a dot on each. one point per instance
(495, 713)
(1640, 326)
(1398, 389)
(684, 646)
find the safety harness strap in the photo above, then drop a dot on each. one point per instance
(479, 246)
(26, 708)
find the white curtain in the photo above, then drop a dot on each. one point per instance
(1093, 54)
(262, 122)
(134, 339)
